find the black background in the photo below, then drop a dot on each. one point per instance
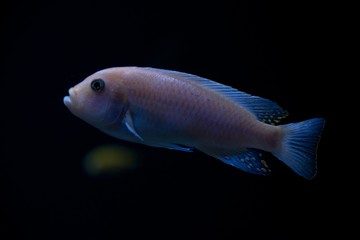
(274, 50)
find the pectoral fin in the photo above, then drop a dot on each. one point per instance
(130, 125)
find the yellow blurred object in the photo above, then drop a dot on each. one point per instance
(109, 159)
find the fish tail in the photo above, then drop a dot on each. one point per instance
(299, 146)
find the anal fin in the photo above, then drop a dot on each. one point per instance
(249, 160)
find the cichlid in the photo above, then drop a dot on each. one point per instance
(181, 111)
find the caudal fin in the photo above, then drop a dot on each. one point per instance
(299, 146)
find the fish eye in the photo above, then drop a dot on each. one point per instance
(97, 85)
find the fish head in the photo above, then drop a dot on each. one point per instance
(99, 100)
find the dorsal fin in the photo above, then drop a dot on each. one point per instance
(264, 109)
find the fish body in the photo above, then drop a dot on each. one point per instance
(181, 111)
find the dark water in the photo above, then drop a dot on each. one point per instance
(273, 50)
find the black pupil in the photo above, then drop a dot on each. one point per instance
(97, 85)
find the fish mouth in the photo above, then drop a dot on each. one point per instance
(68, 100)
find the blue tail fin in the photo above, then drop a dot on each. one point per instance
(299, 146)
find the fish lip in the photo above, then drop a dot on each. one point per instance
(68, 101)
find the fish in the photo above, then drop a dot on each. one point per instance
(186, 112)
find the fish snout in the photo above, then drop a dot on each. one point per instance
(69, 100)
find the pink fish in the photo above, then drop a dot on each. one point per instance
(180, 111)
